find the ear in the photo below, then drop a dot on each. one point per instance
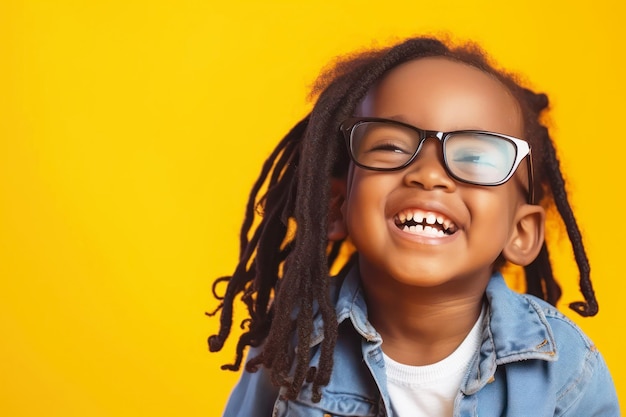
(336, 223)
(527, 236)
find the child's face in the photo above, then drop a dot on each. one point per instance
(442, 95)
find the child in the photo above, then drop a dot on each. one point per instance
(434, 169)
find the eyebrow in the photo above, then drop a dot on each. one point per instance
(401, 118)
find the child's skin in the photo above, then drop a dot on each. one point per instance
(424, 293)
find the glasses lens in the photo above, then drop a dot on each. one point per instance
(383, 145)
(479, 158)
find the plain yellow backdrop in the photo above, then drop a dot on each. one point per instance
(131, 132)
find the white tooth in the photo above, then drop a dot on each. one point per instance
(431, 219)
(405, 228)
(409, 215)
(418, 216)
(439, 219)
(440, 233)
(412, 229)
(419, 228)
(428, 229)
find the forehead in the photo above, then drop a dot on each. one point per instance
(442, 94)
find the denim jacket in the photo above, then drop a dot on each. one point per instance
(533, 361)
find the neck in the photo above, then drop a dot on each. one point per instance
(421, 326)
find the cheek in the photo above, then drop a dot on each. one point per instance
(495, 208)
(368, 191)
(364, 208)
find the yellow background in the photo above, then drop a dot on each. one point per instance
(131, 132)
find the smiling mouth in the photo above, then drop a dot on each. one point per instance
(421, 222)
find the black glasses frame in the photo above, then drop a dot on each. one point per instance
(523, 149)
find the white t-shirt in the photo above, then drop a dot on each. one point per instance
(430, 390)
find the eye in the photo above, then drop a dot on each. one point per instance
(476, 157)
(392, 145)
(379, 137)
(479, 157)
(383, 145)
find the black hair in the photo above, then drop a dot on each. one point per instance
(285, 256)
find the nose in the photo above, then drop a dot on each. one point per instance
(427, 169)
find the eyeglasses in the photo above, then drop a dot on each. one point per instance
(471, 156)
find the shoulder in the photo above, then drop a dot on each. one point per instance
(576, 375)
(254, 394)
(566, 332)
(541, 331)
(525, 327)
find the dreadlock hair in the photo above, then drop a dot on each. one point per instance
(283, 273)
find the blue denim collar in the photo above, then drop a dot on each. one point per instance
(503, 340)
